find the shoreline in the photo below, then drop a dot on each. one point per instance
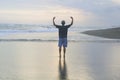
(111, 33)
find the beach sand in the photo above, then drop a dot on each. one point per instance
(40, 61)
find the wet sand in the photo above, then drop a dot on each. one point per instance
(40, 61)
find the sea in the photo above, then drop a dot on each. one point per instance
(9, 32)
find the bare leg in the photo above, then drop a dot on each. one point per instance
(64, 49)
(60, 52)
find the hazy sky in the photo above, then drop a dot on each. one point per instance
(85, 12)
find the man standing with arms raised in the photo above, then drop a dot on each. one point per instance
(63, 29)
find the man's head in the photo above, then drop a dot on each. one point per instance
(63, 22)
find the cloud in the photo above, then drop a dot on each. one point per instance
(43, 15)
(116, 1)
(85, 12)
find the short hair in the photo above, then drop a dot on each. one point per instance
(63, 22)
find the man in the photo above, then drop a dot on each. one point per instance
(63, 29)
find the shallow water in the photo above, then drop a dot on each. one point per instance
(36, 61)
(96, 61)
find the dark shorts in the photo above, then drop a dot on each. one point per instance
(62, 42)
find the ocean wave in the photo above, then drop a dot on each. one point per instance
(26, 31)
(50, 40)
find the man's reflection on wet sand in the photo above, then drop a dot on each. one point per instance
(62, 70)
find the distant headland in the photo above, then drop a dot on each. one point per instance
(112, 33)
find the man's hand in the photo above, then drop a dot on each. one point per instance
(71, 17)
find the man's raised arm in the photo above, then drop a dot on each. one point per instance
(71, 21)
(57, 26)
(54, 21)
